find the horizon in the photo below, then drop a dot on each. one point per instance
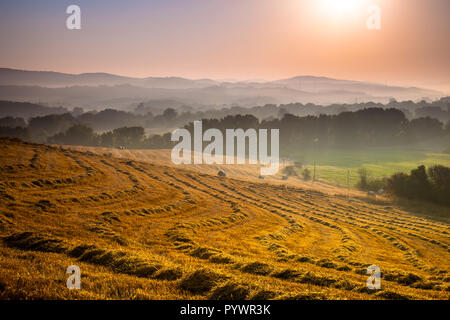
(250, 80)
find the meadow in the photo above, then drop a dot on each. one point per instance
(333, 165)
(142, 228)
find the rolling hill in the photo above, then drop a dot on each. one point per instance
(95, 90)
(58, 79)
(27, 110)
(150, 230)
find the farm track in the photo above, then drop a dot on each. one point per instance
(150, 228)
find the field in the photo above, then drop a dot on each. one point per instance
(333, 165)
(141, 228)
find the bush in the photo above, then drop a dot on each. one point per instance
(376, 184)
(306, 174)
(440, 180)
(289, 171)
(434, 186)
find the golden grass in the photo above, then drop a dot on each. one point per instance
(144, 229)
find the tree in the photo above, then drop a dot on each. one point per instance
(78, 134)
(131, 137)
(440, 179)
(447, 127)
(419, 185)
(12, 122)
(43, 127)
(17, 132)
(425, 128)
(170, 114)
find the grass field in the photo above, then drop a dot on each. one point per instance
(333, 165)
(150, 230)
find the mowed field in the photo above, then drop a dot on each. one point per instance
(149, 230)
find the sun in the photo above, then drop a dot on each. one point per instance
(341, 5)
(340, 8)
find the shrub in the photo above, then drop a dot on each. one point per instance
(434, 186)
(376, 184)
(306, 173)
(440, 179)
(289, 171)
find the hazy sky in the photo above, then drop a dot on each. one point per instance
(232, 39)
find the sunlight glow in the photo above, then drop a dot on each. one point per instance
(340, 8)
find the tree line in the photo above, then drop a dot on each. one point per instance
(40, 126)
(372, 127)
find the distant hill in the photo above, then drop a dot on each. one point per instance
(27, 110)
(323, 84)
(57, 79)
(100, 90)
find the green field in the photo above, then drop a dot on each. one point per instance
(333, 165)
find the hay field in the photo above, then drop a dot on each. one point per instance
(149, 230)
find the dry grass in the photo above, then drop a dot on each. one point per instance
(149, 230)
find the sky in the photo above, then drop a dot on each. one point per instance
(233, 39)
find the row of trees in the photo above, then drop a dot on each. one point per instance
(129, 137)
(42, 125)
(372, 127)
(368, 127)
(439, 109)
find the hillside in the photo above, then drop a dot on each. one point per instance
(27, 110)
(97, 90)
(149, 230)
(58, 79)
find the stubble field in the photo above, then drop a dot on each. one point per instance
(149, 230)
